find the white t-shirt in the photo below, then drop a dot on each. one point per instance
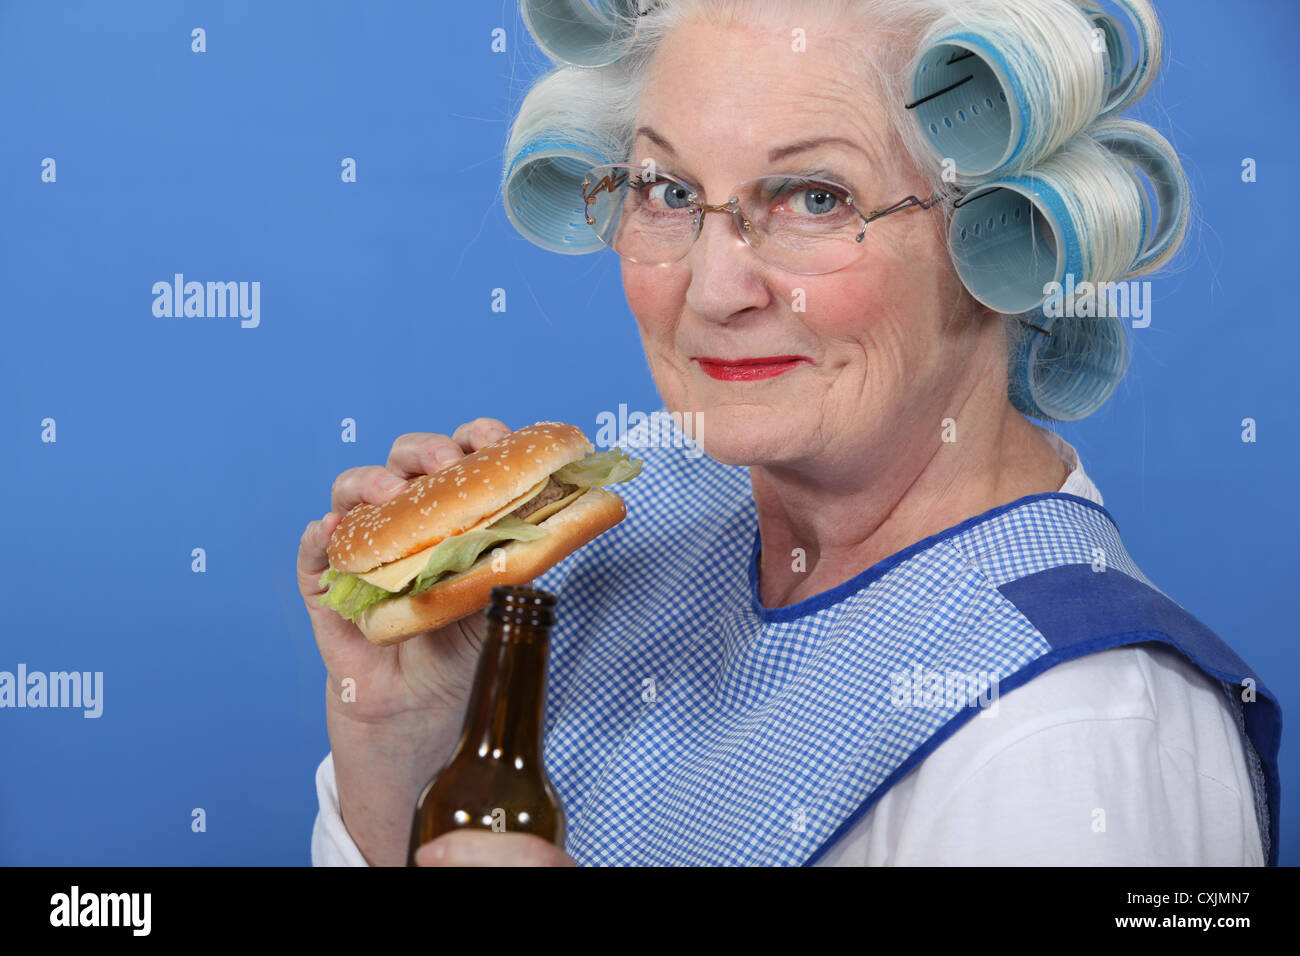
(1129, 756)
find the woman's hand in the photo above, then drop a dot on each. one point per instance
(432, 670)
(484, 848)
(406, 703)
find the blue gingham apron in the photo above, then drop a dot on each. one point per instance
(686, 724)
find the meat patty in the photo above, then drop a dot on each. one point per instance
(554, 491)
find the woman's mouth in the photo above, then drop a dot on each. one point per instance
(748, 369)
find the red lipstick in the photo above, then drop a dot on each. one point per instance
(748, 369)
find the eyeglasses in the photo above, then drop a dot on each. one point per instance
(800, 225)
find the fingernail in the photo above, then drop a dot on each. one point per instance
(391, 483)
(496, 434)
(446, 455)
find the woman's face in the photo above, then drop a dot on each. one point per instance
(875, 370)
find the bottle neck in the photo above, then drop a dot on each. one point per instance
(505, 713)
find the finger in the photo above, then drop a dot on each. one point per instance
(368, 483)
(481, 431)
(485, 848)
(422, 453)
(312, 560)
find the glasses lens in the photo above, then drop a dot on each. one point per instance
(648, 219)
(804, 226)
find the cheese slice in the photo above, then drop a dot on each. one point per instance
(396, 575)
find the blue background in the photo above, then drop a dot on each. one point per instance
(376, 305)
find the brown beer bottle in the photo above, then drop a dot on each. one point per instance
(495, 779)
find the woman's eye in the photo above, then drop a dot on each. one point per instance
(669, 195)
(816, 201)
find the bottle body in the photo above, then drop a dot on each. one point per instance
(495, 779)
(488, 795)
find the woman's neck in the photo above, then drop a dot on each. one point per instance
(817, 534)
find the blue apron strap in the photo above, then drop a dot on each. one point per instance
(1080, 611)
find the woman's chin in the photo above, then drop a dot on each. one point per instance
(748, 434)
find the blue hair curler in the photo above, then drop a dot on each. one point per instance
(1010, 238)
(986, 96)
(543, 194)
(1070, 373)
(1127, 85)
(979, 124)
(582, 32)
(1155, 157)
(1118, 52)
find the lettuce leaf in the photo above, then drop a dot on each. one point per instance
(461, 550)
(348, 594)
(351, 596)
(600, 468)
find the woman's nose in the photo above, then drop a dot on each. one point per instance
(722, 271)
(720, 233)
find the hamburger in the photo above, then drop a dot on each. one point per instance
(499, 516)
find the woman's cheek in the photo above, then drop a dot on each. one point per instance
(841, 306)
(650, 294)
(651, 300)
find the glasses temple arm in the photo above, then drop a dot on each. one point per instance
(908, 203)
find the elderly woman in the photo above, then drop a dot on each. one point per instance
(874, 518)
